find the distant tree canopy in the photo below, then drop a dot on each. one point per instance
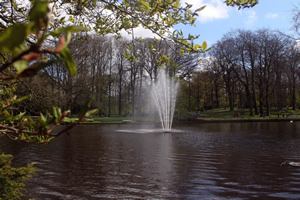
(256, 70)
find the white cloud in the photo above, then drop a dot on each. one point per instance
(215, 9)
(271, 15)
(142, 33)
(138, 32)
(251, 18)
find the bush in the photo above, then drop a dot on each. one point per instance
(12, 179)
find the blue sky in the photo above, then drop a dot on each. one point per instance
(217, 19)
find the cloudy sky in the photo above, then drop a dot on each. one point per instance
(217, 19)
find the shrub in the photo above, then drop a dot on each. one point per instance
(12, 179)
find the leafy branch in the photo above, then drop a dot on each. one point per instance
(40, 129)
(242, 3)
(23, 55)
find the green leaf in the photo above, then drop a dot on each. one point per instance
(67, 29)
(126, 55)
(55, 114)
(197, 46)
(39, 9)
(31, 124)
(13, 36)
(177, 3)
(32, 70)
(68, 39)
(72, 19)
(181, 52)
(22, 98)
(171, 20)
(20, 49)
(164, 59)
(204, 46)
(200, 9)
(70, 64)
(84, 108)
(43, 119)
(188, 5)
(20, 65)
(69, 120)
(6, 115)
(91, 112)
(145, 4)
(19, 116)
(126, 3)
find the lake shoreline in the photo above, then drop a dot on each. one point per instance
(235, 120)
(191, 120)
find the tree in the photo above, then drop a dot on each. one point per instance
(291, 59)
(12, 179)
(262, 61)
(225, 58)
(296, 20)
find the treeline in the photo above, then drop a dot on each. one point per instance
(118, 74)
(258, 70)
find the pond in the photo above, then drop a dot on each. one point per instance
(196, 161)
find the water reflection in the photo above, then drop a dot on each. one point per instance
(206, 161)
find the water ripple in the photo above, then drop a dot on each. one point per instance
(211, 161)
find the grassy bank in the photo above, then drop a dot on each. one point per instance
(239, 115)
(120, 120)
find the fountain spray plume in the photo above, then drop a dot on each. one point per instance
(164, 93)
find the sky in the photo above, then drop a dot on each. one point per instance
(217, 19)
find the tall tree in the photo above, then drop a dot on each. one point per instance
(225, 57)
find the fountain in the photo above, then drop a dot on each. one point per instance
(164, 93)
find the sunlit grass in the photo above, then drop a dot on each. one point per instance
(207, 116)
(244, 114)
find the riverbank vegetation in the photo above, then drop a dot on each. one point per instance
(214, 115)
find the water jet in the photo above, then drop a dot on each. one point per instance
(164, 92)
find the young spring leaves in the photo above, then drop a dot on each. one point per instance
(22, 46)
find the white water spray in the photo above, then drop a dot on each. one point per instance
(164, 93)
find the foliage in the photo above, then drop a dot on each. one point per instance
(242, 3)
(41, 129)
(23, 54)
(12, 179)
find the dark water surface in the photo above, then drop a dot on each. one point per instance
(197, 161)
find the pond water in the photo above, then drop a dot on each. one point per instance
(196, 161)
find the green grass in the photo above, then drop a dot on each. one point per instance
(210, 115)
(244, 114)
(107, 120)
